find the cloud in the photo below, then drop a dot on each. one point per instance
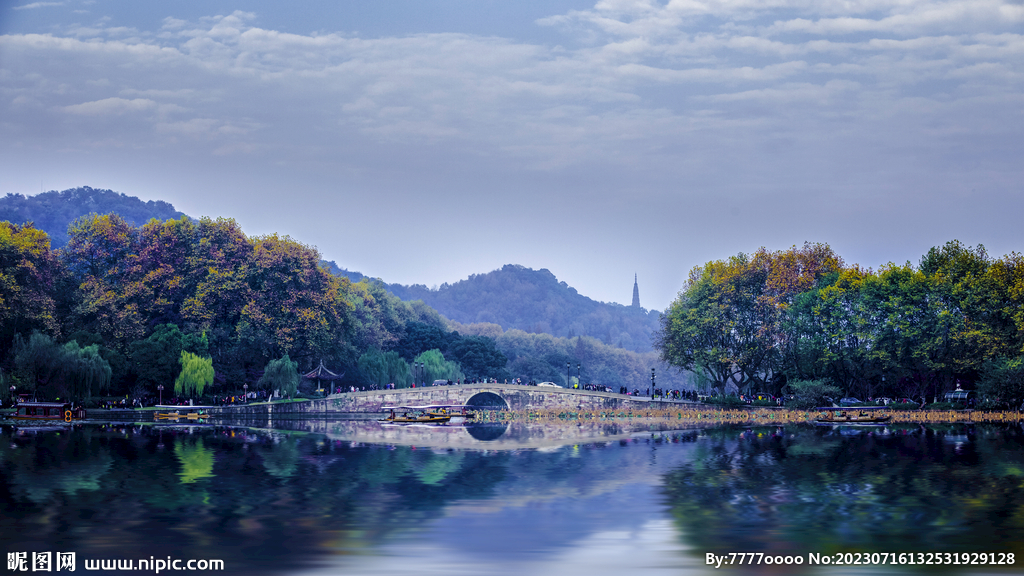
(649, 73)
(35, 5)
(111, 106)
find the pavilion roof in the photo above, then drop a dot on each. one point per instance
(322, 373)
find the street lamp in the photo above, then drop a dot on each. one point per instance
(568, 378)
(246, 395)
(579, 377)
(652, 383)
(160, 389)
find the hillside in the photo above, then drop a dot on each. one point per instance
(514, 297)
(53, 211)
(534, 301)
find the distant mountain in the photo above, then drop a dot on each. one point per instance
(53, 211)
(516, 297)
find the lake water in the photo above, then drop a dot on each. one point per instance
(326, 497)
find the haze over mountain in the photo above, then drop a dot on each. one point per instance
(516, 297)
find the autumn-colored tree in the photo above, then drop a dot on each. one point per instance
(30, 277)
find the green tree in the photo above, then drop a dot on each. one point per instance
(813, 393)
(196, 374)
(281, 374)
(1002, 382)
(55, 371)
(714, 326)
(157, 359)
(382, 368)
(479, 357)
(437, 368)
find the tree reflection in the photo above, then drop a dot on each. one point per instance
(794, 491)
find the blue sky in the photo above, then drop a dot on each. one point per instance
(423, 141)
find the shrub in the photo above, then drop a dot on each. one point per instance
(944, 406)
(724, 401)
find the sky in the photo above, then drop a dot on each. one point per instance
(421, 141)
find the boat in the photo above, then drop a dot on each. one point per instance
(432, 414)
(865, 415)
(175, 413)
(32, 410)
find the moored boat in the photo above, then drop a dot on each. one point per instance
(32, 410)
(856, 415)
(175, 413)
(433, 414)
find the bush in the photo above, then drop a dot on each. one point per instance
(724, 401)
(904, 406)
(944, 406)
(764, 403)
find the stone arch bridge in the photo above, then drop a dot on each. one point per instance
(509, 396)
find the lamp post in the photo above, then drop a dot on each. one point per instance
(579, 377)
(568, 378)
(12, 394)
(160, 390)
(246, 394)
(652, 383)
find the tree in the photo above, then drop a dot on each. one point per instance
(99, 255)
(1002, 382)
(382, 368)
(437, 368)
(55, 371)
(714, 326)
(196, 374)
(281, 374)
(30, 278)
(420, 337)
(479, 357)
(157, 359)
(813, 393)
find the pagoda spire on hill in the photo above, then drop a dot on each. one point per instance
(636, 293)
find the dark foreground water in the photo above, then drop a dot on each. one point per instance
(358, 498)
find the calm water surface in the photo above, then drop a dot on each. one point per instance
(605, 498)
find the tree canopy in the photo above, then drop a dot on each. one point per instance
(756, 322)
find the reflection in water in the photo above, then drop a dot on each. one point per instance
(522, 500)
(910, 489)
(487, 431)
(196, 460)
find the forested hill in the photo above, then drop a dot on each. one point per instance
(53, 211)
(516, 297)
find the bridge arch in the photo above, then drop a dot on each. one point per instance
(488, 400)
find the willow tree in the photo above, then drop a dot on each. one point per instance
(281, 374)
(196, 374)
(56, 371)
(435, 367)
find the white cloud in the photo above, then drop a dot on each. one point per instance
(649, 73)
(111, 106)
(35, 5)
